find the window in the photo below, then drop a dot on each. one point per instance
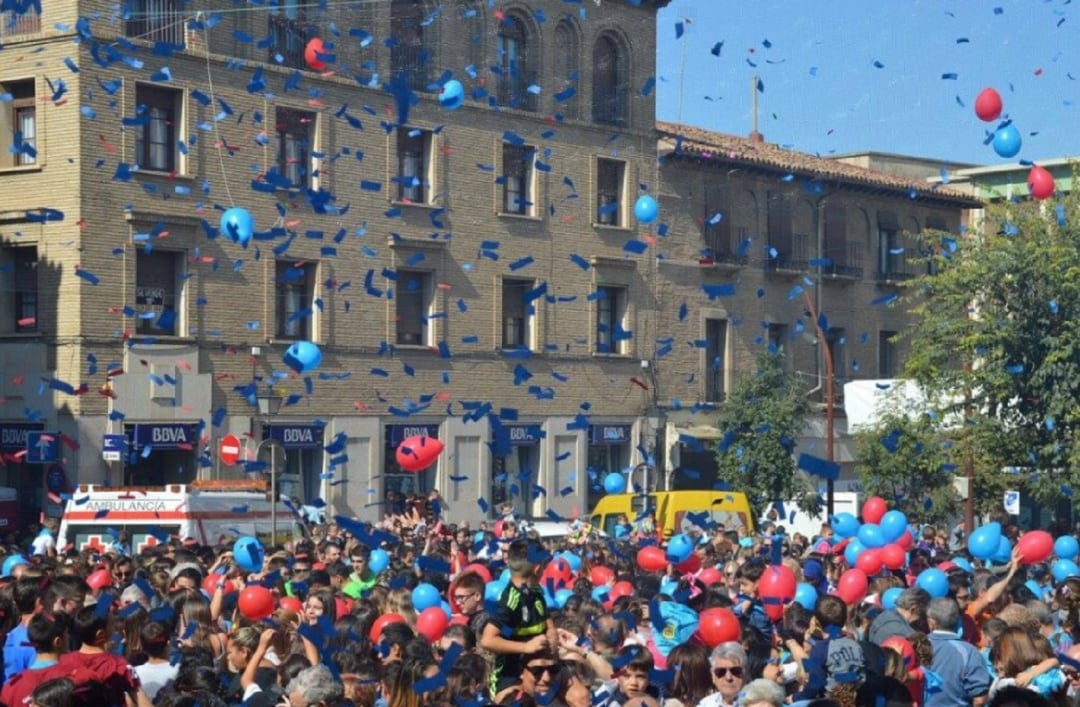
(610, 192)
(19, 124)
(890, 249)
(18, 290)
(790, 252)
(610, 97)
(517, 314)
(415, 158)
(470, 20)
(408, 55)
(158, 110)
(887, 354)
(296, 135)
(517, 179)
(155, 21)
(159, 281)
(413, 307)
(514, 67)
(715, 359)
(611, 336)
(778, 338)
(716, 224)
(289, 33)
(567, 70)
(26, 19)
(295, 286)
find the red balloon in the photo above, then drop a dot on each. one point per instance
(601, 575)
(873, 509)
(1040, 183)
(479, 569)
(619, 590)
(869, 561)
(718, 625)
(418, 453)
(314, 48)
(652, 559)
(384, 621)
(988, 105)
(775, 589)
(710, 576)
(558, 572)
(432, 623)
(893, 556)
(1035, 546)
(690, 565)
(852, 586)
(256, 602)
(906, 541)
(291, 604)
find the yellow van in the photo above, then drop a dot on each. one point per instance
(671, 507)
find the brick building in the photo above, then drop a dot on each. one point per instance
(473, 274)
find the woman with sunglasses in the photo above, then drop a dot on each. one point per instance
(728, 661)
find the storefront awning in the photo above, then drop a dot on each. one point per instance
(706, 433)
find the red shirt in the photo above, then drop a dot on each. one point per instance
(112, 671)
(20, 688)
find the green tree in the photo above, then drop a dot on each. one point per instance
(761, 420)
(997, 343)
(908, 461)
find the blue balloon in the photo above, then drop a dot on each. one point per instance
(871, 536)
(424, 596)
(893, 525)
(1063, 569)
(248, 553)
(447, 610)
(452, 95)
(1066, 547)
(845, 525)
(852, 551)
(379, 560)
(984, 540)
(963, 564)
(1007, 141)
(1004, 551)
(934, 581)
(302, 356)
(888, 599)
(492, 591)
(12, 562)
(614, 483)
(679, 548)
(571, 559)
(562, 596)
(238, 225)
(601, 593)
(646, 209)
(806, 595)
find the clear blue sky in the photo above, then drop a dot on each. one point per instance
(823, 93)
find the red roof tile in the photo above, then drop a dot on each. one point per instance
(733, 149)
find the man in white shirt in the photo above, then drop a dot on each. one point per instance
(45, 542)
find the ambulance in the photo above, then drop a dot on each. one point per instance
(210, 512)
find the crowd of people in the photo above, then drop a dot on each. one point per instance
(582, 621)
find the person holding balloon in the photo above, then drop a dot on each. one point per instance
(748, 606)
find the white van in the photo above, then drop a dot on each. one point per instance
(208, 511)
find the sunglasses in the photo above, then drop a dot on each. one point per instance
(722, 673)
(537, 671)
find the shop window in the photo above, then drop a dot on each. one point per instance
(610, 192)
(296, 137)
(18, 124)
(18, 290)
(155, 21)
(611, 335)
(518, 179)
(412, 308)
(159, 278)
(415, 162)
(159, 111)
(517, 314)
(295, 286)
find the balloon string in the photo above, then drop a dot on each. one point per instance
(213, 101)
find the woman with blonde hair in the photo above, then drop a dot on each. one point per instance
(196, 627)
(399, 601)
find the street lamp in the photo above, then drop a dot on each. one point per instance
(269, 404)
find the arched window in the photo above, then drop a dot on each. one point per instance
(516, 65)
(610, 76)
(408, 53)
(469, 19)
(567, 71)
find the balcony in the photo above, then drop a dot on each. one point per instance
(288, 38)
(413, 61)
(844, 262)
(513, 91)
(611, 106)
(152, 21)
(13, 23)
(792, 253)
